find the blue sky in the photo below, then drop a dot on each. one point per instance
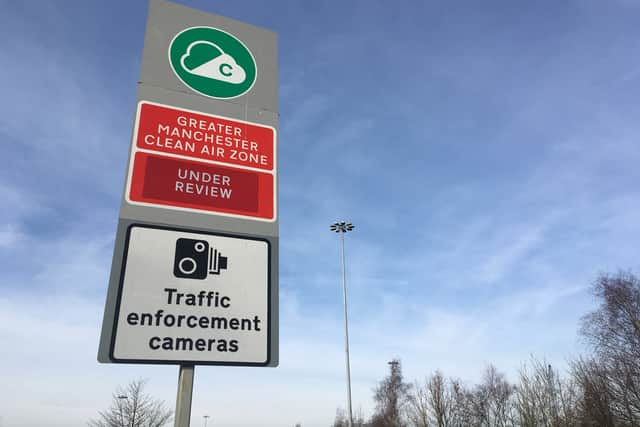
(487, 154)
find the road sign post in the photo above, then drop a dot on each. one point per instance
(184, 397)
(194, 277)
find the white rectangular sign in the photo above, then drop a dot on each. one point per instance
(192, 297)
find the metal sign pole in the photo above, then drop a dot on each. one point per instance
(183, 401)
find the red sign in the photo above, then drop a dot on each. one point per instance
(188, 160)
(187, 184)
(185, 133)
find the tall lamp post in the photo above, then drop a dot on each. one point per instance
(341, 228)
(206, 418)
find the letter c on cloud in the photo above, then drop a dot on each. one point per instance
(225, 70)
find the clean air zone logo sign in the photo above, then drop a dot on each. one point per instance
(212, 62)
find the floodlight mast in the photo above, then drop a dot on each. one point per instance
(341, 228)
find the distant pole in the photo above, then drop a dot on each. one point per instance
(341, 228)
(205, 420)
(122, 397)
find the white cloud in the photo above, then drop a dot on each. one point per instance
(9, 236)
(222, 67)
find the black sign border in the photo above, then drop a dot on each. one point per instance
(182, 361)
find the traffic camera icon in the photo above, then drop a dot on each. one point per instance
(195, 259)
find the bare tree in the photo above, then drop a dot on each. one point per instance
(602, 390)
(341, 419)
(132, 407)
(440, 400)
(358, 419)
(441, 403)
(490, 401)
(433, 404)
(418, 405)
(543, 399)
(461, 409)
(613, 330)
(594, 405)
(391, 398)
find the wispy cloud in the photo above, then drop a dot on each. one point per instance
(489, 183)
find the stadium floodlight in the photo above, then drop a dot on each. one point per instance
(341, 228)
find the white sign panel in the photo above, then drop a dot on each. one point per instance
(192, 297)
